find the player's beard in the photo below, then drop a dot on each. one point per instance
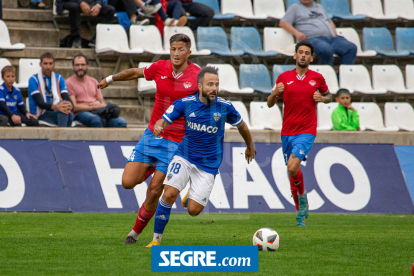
(305, 65)
(205, 95)
(81, 73)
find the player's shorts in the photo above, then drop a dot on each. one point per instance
(180, 171)
(300, 145)
(151, 149)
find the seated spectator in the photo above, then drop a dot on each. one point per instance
(308, 20)
(344, 117)
(87, 98)
(48, 96)
(174, 11)
(38, 4)
(203, 13)
(147, 9)
(87, 7)
(11, 102)
(130, 7)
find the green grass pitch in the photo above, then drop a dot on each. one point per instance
(91, 244)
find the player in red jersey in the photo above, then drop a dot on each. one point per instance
(302, 89)
(175, 79)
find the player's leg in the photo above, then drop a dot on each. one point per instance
(135, 173)
(287, 151)
(177, 178)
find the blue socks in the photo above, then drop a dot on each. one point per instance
(162, 216)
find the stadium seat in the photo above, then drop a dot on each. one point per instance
(147, 38)
(399, 115)
(143, 84)
(402, 8)
(269, 8)
(241, 108)
(352, 36)
(27, 68)
(329, 74)
(255, 76)
(279, 40)
(241, 8)
(380, 40)
(356, 78)
(215, 40)
(5, 44)
(404, 39)
(324, 112)
(291, 2)
(389, 77)
(3, 62)
(170, 31)
(263, 116)
(111, 39)
(248, 40)
(370, 8)
(279, 69)
(409, 76)
(340, 9)
(370, 117)
(228, 79)
(215, 6)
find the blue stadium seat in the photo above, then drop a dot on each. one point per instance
(215, 40)
(279, 69)
(248, 40)
(380, 40)
(340, 9)
(404, 39)
(255, 76)
(215, 6)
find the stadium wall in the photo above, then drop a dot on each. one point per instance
(85, 176)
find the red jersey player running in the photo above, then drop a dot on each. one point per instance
(302, 89)
(175, 79)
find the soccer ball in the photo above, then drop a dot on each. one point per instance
(266, 239)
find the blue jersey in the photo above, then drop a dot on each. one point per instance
(202, 144)
(12, 99)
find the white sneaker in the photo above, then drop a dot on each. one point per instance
(143, 22)
(169, 22)
(151, 9)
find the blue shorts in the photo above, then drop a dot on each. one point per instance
(300, 145)
(151, 149)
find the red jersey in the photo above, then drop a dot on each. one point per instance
(299, 113)
(170, 87)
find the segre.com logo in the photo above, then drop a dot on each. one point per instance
(205, 258)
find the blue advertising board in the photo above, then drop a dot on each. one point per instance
(79, 176)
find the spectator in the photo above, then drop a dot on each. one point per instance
(203, 13)
(174, 11)
(344, 117)
(11, 102)
(87, 7)
(146, 9)
(130, 7)
(309, 21)
(48, 95)
(87, 98)
(38, 4)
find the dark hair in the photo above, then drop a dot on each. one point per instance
(46, 55)
(78, 56)
(181, 38)
(343, 91)
(6, 69)
(305, 43)
(206, 69)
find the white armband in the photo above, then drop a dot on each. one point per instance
(109, 79)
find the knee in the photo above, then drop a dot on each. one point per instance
(153, 194)
(352, 48)
(292, 169)
(193, 212)
(120, 122)
(129, 182)
(326, 52)
(209, 13)
(96, 121)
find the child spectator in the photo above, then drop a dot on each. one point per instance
(344, 117)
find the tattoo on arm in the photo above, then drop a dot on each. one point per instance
(328, 97)
(129, 74)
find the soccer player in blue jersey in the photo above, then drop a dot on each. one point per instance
(200, 154)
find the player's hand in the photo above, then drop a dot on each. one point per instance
(250, 154)
(95, 10)
(300, 36)
(29, 115)
(318, 97)
(278, 89)
(158, 130)
(86, 10)
(16, 119)
(103, 84)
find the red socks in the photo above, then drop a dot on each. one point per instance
(149, 171)
(143, 218)
(297, 186)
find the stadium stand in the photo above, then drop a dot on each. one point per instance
(370, 117)
(351, 35)
(404, 39)
(147, 38)
(216, 8)
(402, 8)
(170, 31)
(370, 8)
(215, 40)
(5, 44)
(269, 8)
(255, 76)
(340, 9)
(391, 78)
(356, 78)
(228, 79)
(324, 112)
(399, 115)
(27, 68)
(262, 116)
(380, 40)
(248, 40)
(279, 69)
(240, 8)
(329, 74)
(278, 40)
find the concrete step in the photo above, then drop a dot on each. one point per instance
(35, 37)
(12, 4)
(67, 72)
(120, 92)
(27, 14)
(58, 53)
(130, 102)
(133, 114)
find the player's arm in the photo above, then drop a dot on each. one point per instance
(276, 92)
(323, 98)
(129, 74)
(247, 137)
(175, 111)
(159, 127)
